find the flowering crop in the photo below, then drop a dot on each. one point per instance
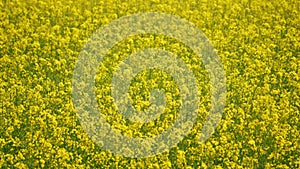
(257, 41)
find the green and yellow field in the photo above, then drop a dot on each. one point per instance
(257, 41)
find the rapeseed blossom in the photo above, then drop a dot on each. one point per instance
(257, 40)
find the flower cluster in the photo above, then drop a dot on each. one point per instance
(257, 40)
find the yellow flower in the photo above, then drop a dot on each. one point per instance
(251, 142)
(257, 41)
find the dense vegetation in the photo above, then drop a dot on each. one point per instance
(257, 40)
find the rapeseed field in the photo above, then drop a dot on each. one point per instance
(256, 40)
